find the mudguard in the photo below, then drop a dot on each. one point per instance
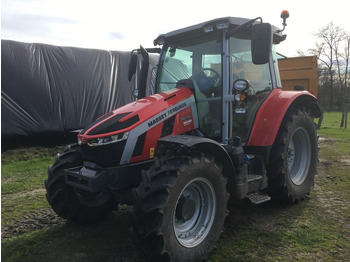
(203, 145)
(271, 113)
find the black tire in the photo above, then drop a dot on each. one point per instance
(71, 203)
(293, 158)
(166, 207)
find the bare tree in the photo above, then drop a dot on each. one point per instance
(330, 36)
(343, 77)
(333, 52)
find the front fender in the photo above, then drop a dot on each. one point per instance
(204, 145)
(271, 113)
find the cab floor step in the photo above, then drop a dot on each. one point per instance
(258, 197)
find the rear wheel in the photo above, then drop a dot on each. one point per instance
(293, 158)
(179, 209)
(71, 203)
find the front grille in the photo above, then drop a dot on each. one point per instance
(104, 156)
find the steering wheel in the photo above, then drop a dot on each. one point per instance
(206, 83)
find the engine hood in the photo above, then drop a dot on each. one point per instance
(152, 110)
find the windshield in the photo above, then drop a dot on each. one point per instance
(198, 59)
(185, 60)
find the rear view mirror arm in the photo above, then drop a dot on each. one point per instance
(240, 27)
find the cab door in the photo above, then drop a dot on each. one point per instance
(247, 102)
(201, 61)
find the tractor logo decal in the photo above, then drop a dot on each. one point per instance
(176, 108)
(156, 120)
(170, 112)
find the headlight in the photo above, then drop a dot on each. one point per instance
(100, 141)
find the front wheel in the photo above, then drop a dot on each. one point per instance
(71, 203)
(179, 209)
(293, 158)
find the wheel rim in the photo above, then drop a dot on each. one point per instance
(195, 212)
(299, 156)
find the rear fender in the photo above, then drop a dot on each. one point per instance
(201, 144)
(271, 113)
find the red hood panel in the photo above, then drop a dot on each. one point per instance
(130, 115)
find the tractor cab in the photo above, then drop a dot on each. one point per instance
(231, 64)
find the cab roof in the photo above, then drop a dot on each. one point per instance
(198, 29)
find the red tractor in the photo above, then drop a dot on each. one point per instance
(217, 126)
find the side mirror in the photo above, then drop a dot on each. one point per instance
(132, 65)
(261, 43)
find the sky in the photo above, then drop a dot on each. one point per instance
(125, 25)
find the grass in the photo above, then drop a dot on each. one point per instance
(317, 229)
(21, 176)
(331, 127)
(23, 172)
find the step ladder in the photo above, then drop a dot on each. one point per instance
(258, 197)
